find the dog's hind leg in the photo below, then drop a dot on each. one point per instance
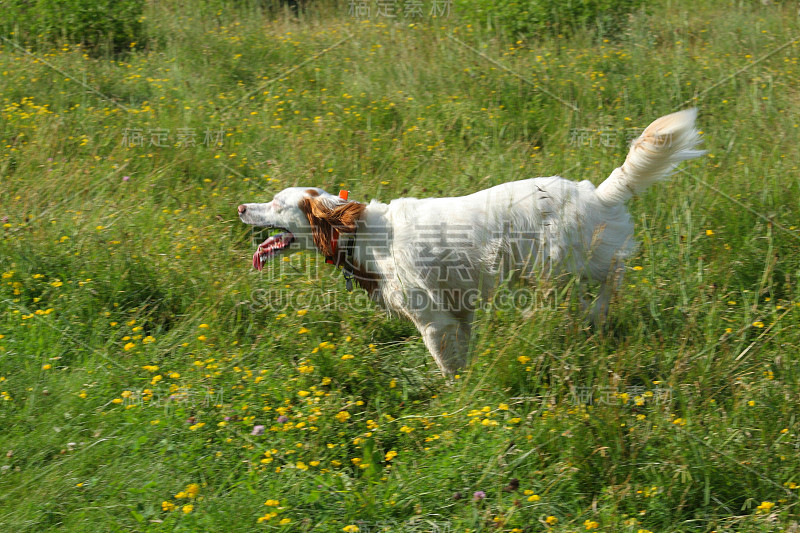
(598, 313)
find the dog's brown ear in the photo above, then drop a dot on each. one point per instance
(328, 222)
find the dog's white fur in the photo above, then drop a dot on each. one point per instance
(413, 251)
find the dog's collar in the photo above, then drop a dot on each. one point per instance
(347, 266)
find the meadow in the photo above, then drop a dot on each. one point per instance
(151, 380)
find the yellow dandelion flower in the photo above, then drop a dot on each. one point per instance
(342, 416)
(765, 507)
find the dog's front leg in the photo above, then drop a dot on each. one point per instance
(447, 338)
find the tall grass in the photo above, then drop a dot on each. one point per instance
(139, 353)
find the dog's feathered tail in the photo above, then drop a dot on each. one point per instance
(653, 156)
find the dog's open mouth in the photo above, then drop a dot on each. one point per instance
(270, 248)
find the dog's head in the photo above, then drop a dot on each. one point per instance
(307, 216)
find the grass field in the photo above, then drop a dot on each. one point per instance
(150, 379)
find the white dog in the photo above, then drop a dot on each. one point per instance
(433, 260)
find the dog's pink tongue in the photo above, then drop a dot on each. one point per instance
(261, 253)
(258, 257)
(267, 248)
